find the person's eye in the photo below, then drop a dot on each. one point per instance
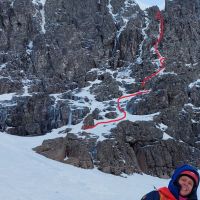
(190, 183)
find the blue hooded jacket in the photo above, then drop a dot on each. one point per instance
(174, 187)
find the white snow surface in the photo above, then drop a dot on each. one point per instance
(6, 97)
(166, 136)
(25, 174)
(144, 4)
(195, 83)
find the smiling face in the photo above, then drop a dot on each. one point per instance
(186, 184)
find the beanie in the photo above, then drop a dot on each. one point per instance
(192, 175)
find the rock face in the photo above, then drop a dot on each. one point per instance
(161, 157)
(109, 156)
(70, 150)
(66, 62)
(115, 157)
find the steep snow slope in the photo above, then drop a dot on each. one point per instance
(27, 175)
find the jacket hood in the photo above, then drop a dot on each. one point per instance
(174, 186)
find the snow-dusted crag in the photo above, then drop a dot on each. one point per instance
(64, 64)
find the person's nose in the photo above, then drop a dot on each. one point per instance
(185, 183)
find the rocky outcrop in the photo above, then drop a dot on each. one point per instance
(132, 147)
(116, 158)
(155, 155)
(194, 94)
(109, 156)
(108, 89)
(70, 150)
(168, 91)
(38, 114)
(161, 157)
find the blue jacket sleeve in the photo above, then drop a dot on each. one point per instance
(154, 195)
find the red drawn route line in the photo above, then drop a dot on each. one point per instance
(158, 17)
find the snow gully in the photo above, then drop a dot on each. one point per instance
(161, 68)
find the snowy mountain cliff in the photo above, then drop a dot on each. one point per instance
(105, 84)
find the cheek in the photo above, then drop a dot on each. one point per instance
(181, 182)
(191, 186)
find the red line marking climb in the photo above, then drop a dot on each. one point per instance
(160, 18)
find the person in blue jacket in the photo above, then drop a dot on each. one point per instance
(182, 186)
